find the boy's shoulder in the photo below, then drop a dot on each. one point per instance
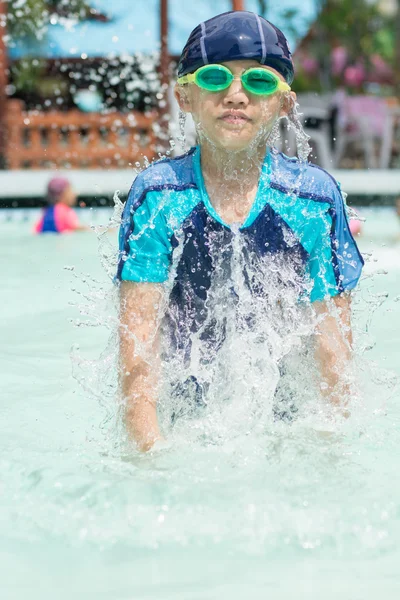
(303, 179)
(172, 174)
(167, 173)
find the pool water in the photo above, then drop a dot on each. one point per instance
(298, 513)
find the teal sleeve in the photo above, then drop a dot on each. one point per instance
(335, 262)
(145, 241)
(320, 264)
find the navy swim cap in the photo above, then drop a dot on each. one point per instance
(237, 35)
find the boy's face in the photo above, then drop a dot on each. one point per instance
(234, 118)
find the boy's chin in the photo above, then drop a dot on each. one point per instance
(238, 143)
(234, 140)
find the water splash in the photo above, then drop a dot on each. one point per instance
(302, 139)
(182, 124)
(258, 373)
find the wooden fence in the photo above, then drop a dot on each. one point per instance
(36, 140)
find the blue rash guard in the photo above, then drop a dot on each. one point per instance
(298, 214)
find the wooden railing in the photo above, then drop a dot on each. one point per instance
(36, 140)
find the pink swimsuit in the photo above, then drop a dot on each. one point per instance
(59, 218)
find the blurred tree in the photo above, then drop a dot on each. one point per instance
(349, 41)
(123, 82)
(262, 7)
(26, 18)
(31, 17)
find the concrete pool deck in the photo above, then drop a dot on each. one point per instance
(32, 184)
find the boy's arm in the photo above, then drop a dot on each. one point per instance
(335, 269)
(333, 347)
(139, 362)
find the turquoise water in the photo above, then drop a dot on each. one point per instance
(298, 513)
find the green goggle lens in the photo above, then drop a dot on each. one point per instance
(260, 81)
(214, 78)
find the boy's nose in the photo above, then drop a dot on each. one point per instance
(236, 94)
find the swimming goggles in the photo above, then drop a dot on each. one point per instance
(215, 78)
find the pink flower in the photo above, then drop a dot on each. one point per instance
(354, 75)
(310, 65)
(338, 60)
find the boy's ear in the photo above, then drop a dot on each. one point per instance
(289, 100)
(182, 98)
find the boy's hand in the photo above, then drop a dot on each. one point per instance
(156, 444)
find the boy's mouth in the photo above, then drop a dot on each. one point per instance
(234, 116)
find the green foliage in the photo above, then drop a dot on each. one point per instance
(26, 74)
(358, 26)
(262, 10)
(384, 42)
(31, 17)
(353, 24)
(26, 18)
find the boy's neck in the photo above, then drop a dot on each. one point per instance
(232, 168)
(231, 179)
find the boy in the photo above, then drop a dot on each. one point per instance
(185, 217)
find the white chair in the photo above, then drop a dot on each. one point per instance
(363, 120)
(392, 122)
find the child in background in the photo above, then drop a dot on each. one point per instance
(59, 216)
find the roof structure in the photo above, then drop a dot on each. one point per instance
(133, 27)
